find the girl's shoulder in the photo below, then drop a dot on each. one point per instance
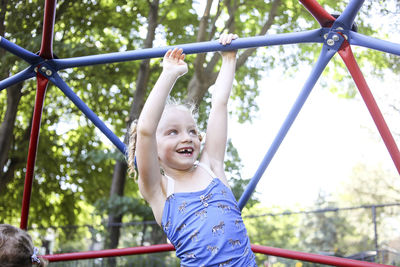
(214, 170)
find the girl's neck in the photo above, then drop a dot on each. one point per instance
(180, 174)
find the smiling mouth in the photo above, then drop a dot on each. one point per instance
(185, 151)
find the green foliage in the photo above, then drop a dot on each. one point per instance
(245, 92)
(373, 185)
(73, 163)
(123, 205)
(277, 231)
(272, 231)
(370, 185)
(325, 231)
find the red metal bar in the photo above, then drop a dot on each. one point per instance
(279, 252)
(46, 49)
(348, 58)
(296, 255)
(324, 18)
(42, 83)
(109, 253)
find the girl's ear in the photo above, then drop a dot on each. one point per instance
(201, 136)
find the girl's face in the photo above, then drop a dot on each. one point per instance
(178, 142)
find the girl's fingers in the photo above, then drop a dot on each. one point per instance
(225, 39)
(176, 53)
(173, 52)
(174, 56)
(222, 39)
(168, 54)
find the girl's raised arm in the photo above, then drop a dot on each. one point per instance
(216, 136)
(150, 182)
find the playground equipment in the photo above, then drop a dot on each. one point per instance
(336, 35)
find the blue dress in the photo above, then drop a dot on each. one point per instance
(206, 227)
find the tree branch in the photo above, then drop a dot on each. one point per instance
(267, 25)
(7, 126)
(214, 20)
(201, 36)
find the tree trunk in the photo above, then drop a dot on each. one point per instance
(3, 11)
(14, 94)
(120, 168)
(6, 135)
(117, 188)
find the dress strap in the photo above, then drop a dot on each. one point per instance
(170, 185)
(207, 169)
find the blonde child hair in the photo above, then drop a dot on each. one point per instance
(16, 248)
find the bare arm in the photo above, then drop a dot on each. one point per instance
(150, 179)
(216, 136)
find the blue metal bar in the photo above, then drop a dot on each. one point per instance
(346, 19)
(313, 36)
(19, 77)
(19, 51)
(56, 79)
(374, 43)
(326, 54)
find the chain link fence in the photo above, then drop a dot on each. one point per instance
(368, 233)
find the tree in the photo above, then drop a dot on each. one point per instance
(373, 187)
(326, 231)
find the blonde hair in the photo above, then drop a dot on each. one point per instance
(171, 102)
(132, 149)
(16, 248)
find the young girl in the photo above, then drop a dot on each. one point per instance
(190, 196)
(16, 248)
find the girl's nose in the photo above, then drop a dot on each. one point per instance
(186, 137)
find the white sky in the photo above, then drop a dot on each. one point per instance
(328, 138)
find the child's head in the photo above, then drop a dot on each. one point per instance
(16, 248)
(177, 123)
(178, 142)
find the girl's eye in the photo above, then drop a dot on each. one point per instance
(193, 132)
(173, 132)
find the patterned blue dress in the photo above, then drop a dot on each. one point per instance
(206, 227)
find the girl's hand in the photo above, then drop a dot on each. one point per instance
(174, 63)
(226, 39)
